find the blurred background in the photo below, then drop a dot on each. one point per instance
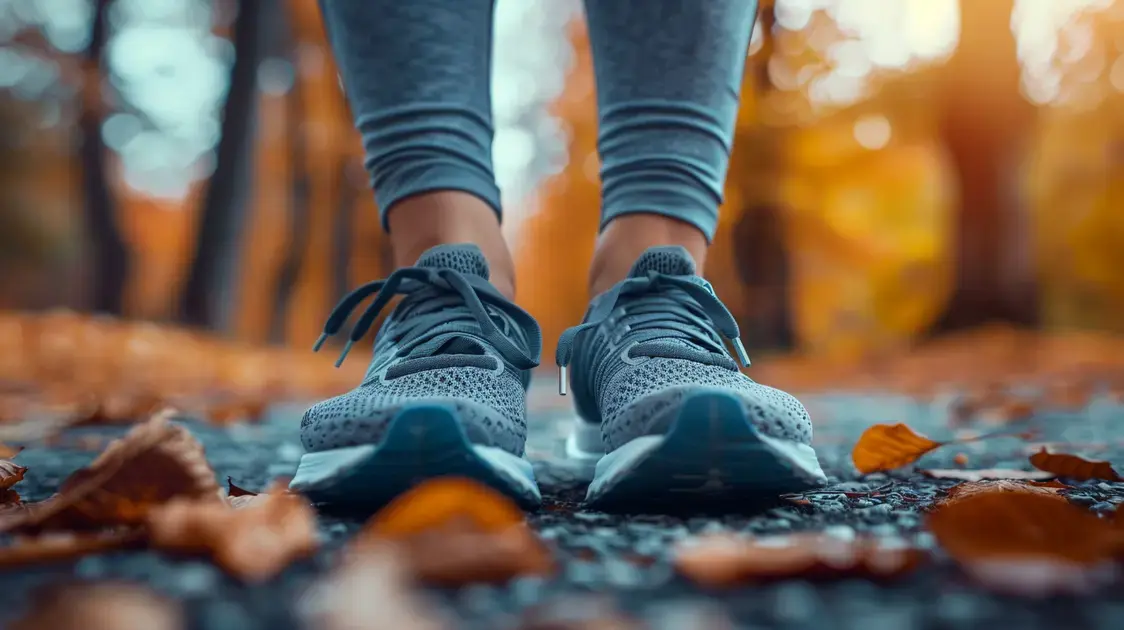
(902, 169)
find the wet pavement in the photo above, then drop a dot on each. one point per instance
(623, 559)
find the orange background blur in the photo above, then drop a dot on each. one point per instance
(901, 168)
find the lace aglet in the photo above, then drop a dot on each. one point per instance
(743, 356)
(343, 355)
(320, 342)
(563, 380)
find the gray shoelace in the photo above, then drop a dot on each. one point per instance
(444, 316)
(652, 310)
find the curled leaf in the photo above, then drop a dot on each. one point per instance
(58, 546)
(105, 606)
(253, 543)
(889, 446)
(454, 531)
(971, 488)
(1026, 543)
(10, 474)
(153, 463)
(988, 473)
(1073, 466)
(724, 560)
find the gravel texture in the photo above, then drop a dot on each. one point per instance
(621, 560)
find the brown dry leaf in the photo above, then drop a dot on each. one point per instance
(1073, 466)
(726, 560)
(58, 546)
(153, 463)
(101, 606)
(253, 543)
(372, 588)
(889, 446)
(971, 488)
(454, 531)
(1026, 542)
(11, 473)
(988, 473)
(234, 491)
(589, 613)
(120, 407)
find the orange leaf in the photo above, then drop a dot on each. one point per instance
(1025, 542)
(101, 606)
(454, 531)
(886, 446)
(725, 560)
(1072, 466)
(253, 543)
(438, 501)
(971, 488)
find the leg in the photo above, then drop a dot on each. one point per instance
(669, 75)
(445, 392)
(417, 76)
(664, 407)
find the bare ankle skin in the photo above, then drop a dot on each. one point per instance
(627, 236)
(447, 217)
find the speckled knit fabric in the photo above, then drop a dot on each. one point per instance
(460, 367)
(669, 74)
(632, 372)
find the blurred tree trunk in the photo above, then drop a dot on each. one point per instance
(299, 209)
(984, 121)
(206, 297)
(110, 254)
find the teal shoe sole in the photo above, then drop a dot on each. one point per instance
(421, 443)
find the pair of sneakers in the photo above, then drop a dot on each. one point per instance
(663, 408)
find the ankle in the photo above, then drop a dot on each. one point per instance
(424, 221)
(626, 237)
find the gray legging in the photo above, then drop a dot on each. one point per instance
(668, 72)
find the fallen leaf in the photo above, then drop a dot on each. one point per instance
(100, 606)
(153, 463)
(886, 447)
(726, 560)
(253, 543)
(1028, 543)
(971, 488)
(371, 588)
(585, 613)
(1073, 466)
(59, 546)
(437, 501)
(455, 531)
(235, 491)
(988, 473)
(10, 474)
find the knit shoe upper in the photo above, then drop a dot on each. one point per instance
(655, 338)
(453, 339)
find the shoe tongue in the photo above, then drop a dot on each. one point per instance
(671, 260)
(465, 258)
